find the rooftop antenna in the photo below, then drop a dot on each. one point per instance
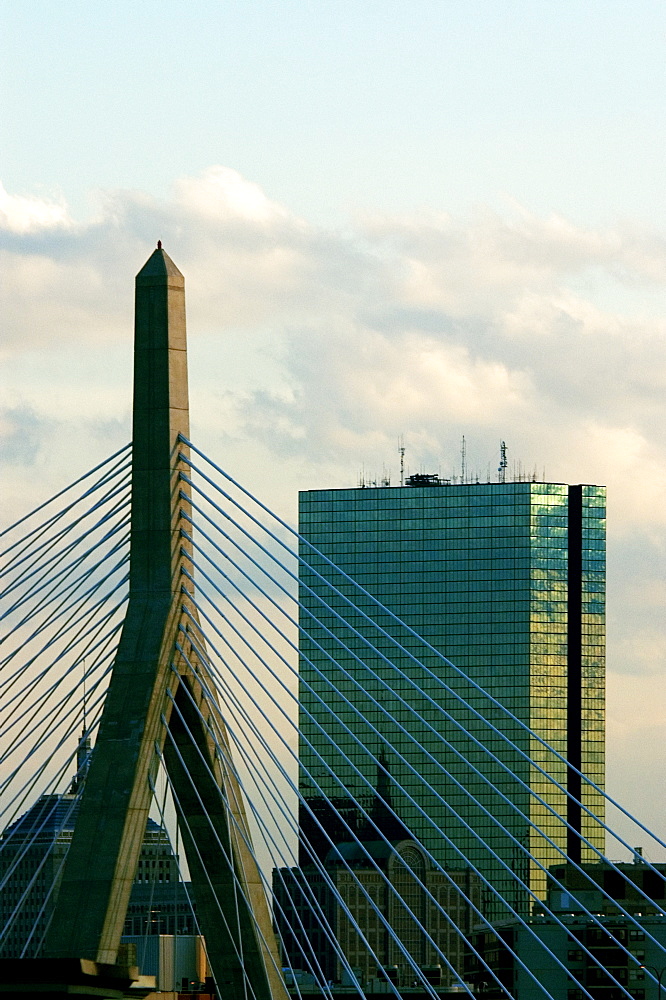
(85, 727)
(401, 451)
(501, 469)
(463, 460)
(83, 749)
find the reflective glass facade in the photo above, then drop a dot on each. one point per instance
(506, 580)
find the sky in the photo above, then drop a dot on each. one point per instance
(415, 219)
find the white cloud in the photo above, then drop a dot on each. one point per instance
(313, 350)
(20, 214)
(223, 194)
(427, 325)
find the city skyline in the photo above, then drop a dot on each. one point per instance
(482, 254)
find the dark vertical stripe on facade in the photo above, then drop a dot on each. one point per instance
(574, 669)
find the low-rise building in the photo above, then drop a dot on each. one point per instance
(561, 951)
(384, 907)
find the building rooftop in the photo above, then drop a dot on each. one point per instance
(50, 816)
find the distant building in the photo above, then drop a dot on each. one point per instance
(32, 853)
(505, 579)
(178, 961)
(593, 956)
(626, 884)
(160, 902)
(354, 908)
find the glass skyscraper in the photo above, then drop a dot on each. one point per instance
(507, 580)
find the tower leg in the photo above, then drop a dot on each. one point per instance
(225, 877)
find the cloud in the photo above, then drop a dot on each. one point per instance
(421, 324)
(222, 194)
(462, 310)
(312, 350)
(315, 348)
(19, 214)
(19, 436)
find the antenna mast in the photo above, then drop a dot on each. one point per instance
(463, 460)
(503, 463)
(85, 727)
(401, 452)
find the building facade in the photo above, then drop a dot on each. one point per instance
(32, 854)
(606, 958)
(507, 580)
(363, 900)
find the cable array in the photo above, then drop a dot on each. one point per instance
(392, 801)
(63, 588)
(355, 717)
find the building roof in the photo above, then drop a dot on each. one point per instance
(362, 853)
(50, 816)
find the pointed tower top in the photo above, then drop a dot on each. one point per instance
(159, 265)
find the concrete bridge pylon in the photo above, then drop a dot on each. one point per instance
(139, 723)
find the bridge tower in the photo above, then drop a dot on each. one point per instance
(156, 665)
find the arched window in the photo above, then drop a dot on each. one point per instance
(407, 907)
